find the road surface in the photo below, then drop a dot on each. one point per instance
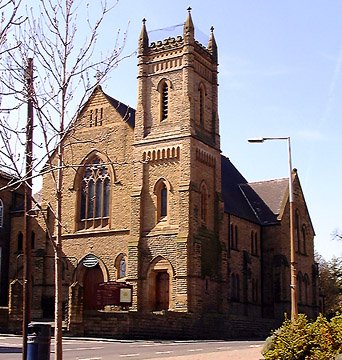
(104, 349)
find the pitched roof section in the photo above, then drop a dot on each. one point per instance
(273, 192)
(235, 202)
(127, 113)
(259, 202)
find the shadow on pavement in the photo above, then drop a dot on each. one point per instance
(10, 350)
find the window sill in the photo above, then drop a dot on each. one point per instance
(95, 231)
(162, 228)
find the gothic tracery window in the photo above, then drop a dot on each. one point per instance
(95, 194)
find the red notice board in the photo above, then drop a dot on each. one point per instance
(114, 293)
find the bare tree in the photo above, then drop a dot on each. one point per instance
(337, 235)
(62, 36)
(9, 19)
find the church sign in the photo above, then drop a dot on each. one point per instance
(114, 293)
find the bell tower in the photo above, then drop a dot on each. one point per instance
(177, 87)
(177, 167)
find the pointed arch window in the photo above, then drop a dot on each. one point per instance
(165, 101)
(233, 237)
(304, 238)
(1, 214)
(235, 287)
(297, 224)
(163, 88)
(20, 242)
(255, 291)
(95, 194)
(121, 266)
(163, 201)
(254, 243)
(201, 94)
(204, 203)
(162, 190)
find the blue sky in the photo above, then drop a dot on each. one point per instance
(280, 65)
(280, 74)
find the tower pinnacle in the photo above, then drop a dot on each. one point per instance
(143, 38)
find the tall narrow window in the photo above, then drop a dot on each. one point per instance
(163, 201)
(1, 214)
(255, 290)
(297, 224)
(95, 193)
(95, 117)
(121, 266)
(122, 271)
(20, 242)
(254, 243)
(165, 101)
(304, 239)
(204, 203)
(201, 105)
(33, 240)
(232, 237)
(236, 238)
(235, 287)
(162, 191)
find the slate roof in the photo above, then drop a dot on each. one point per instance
(7, 175)
(259, 202)
(272, 192)
(127, 113)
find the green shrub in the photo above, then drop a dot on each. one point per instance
(304, 340)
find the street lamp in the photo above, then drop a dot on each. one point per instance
(293, 285)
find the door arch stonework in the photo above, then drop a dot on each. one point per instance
(159, 284)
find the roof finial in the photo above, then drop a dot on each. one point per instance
(143, 38)
(188, 30)
(212, 46)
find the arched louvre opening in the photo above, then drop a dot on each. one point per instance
(165, 101)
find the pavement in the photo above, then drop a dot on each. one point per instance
(252, 353)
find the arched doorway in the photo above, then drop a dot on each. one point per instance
(92, 277)
(158, 289)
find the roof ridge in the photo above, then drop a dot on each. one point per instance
(269, 180)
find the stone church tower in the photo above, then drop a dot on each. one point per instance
(177, 187)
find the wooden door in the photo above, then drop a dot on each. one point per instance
(162, 291)
(92, 277)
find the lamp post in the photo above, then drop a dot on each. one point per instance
(293, 285)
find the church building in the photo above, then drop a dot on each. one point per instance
(152, 209)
